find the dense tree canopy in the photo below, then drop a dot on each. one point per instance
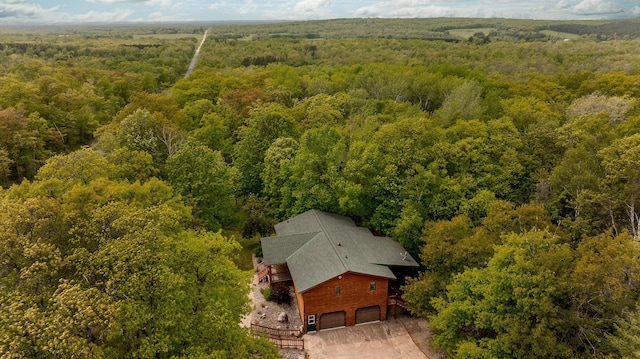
(97, 266)
(506, 162)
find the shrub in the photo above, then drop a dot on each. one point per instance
(281, 295)
(266, 292)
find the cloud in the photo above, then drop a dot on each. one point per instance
(158, 16)
(596, 7)
(311, 8)
(414, 9)
(248, 8)
(541, 9)
(117, 1)
(18, 9)
(162, 3)
(98, 16)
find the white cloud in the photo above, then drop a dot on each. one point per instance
(307, 9)
(119, 15)
(161, 3)
(595, 7)
(414, 8)
(24, 10)
(117, 1)
(541, 9)
(14, 2)
(248, 8)
(158, 16)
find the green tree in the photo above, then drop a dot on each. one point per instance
(5, 169)
(315, 172)
(515, 307)
(627, 336)
(621, 182)
(603, 288)
(277, 173)
(362, 177)
(215, 133)
(132, 165)
(462, 102)
(102, 268)
(443, 256)
(81, 166)
(28, 141)
(528, 113)
(206, 181)
(449, 247)
(259, 219)
(264, 125)
(576, 184)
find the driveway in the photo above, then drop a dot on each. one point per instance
(401, 338)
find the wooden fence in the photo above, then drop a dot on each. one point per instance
(276, 332)
(282, 338)
(288, 343)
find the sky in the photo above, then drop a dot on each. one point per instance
(46, 11)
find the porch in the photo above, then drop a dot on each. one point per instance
(279, 273)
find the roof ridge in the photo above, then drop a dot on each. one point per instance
(330, 239)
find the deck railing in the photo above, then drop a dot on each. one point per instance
(397, 300)
(263, 273)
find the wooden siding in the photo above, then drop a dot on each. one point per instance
(355, 293)
(300, 307)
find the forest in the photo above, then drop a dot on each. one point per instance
(503, 154)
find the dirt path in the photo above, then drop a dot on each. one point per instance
(194, 61)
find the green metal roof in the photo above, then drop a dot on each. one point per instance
(318, 246)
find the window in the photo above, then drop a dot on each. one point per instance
(372, 286)
(338, 291)
(311, 319)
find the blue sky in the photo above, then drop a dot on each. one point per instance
(43, 11)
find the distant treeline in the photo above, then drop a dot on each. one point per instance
(23, 47)
(608, 31)
(431, 29)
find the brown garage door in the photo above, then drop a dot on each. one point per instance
(333, 320)
(368, 314)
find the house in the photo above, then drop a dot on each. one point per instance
(340, 273)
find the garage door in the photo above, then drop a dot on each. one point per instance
(333, 320)
(368, 314)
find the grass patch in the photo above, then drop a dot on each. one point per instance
(169, 36)
(467, 33)
(561, 35)
(249, 246)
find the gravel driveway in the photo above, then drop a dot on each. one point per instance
(381, 340)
